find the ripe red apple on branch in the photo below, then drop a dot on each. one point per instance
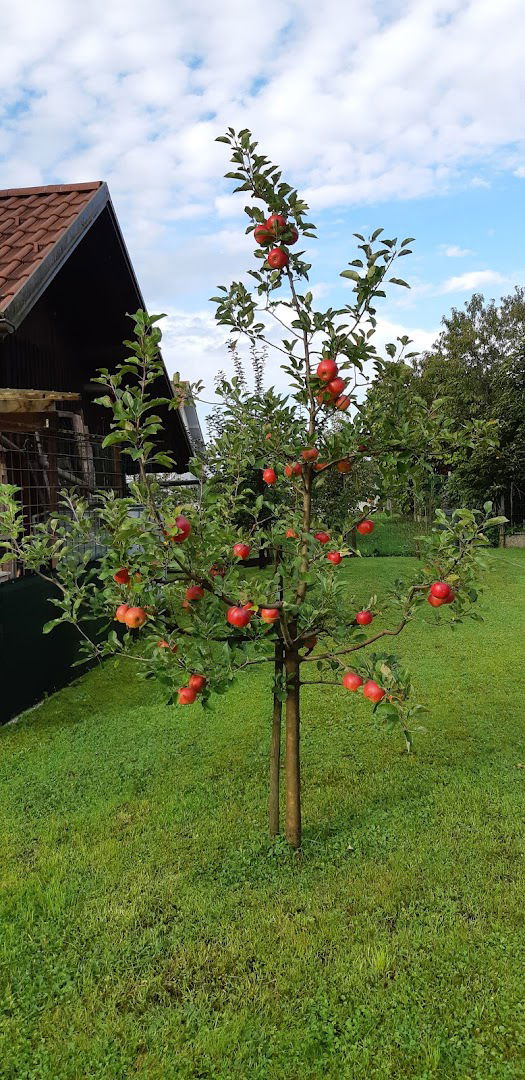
(372, 691)
(179, 531)
(293, 470)
(269, 615)
(194, 592)
(364, 618)
(241, 550)
(351, 681)
(334, 557)
(278, 258)
(135, 617)
(197, 682)
(187, 695)
(238, 617)
(327, 370)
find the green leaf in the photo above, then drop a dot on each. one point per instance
(116, 437)
(399, 281)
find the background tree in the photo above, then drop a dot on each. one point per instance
(174, 576)
(478, 365)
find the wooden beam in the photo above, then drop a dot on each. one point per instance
(32, 401)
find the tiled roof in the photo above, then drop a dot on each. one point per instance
(32, 220)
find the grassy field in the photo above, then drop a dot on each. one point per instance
(149, 929)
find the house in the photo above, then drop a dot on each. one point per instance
(66, 286)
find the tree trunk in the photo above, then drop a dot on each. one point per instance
(275, 747)
(293, 776)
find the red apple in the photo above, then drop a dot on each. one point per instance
(241, 550)
(122, 577)
(194, 592)
(269, 614)
(327, 370)
(269, 476)
(319, 465)
(186, 605)
(275, 223)
(135, 617)
(238, 616)
(197, 683)
(334, 557)
(324, 397)
(163, 644)
(435, 601)
(187, 695)
(311, 642)
(290, 236)
(364, 618)
(362, 448)
(351, 681)
(184, 528)
(344, 466)
(291, 534)
(342, 403)
(262, 235)
(450, 598)
(120, 612)
(310, 453)
(268, 436)
(278, 258)
(322, 537)
(293, 470)
(217, 570)
(440, 589)
(372, 691)
(336, 386)
(365, 527)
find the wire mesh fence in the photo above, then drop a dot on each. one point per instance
(44, 462)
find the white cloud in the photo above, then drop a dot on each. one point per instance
(520, 171)
(421, 340)
(473, 279)
(358, 102)
(452, 251)
(479, 182)
(360, 106)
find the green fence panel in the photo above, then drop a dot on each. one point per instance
(32, 664)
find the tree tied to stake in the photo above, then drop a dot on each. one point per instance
(170, 568)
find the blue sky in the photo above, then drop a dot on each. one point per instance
(404, 114)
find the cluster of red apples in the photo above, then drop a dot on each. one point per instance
(238, 616)
(439, 593)
(332, 385)
(276, 228)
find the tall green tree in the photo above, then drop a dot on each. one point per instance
(478, 366)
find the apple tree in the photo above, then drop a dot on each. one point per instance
(174, 574)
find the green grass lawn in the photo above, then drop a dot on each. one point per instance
(149, 929)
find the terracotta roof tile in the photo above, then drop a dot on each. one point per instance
(32, 220)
